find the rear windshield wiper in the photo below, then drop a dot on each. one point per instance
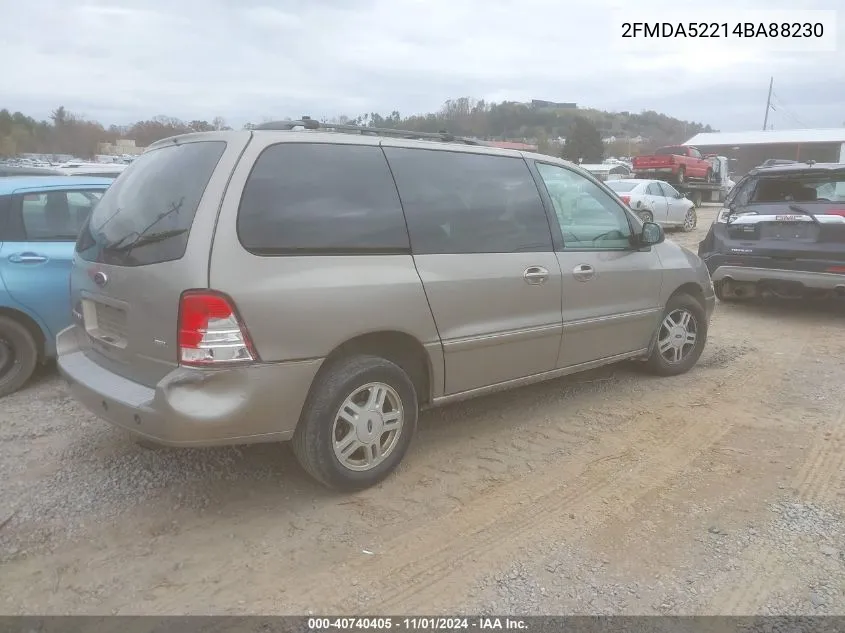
(797, 209)
(148, 238)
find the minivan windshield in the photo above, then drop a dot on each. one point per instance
(145, 216)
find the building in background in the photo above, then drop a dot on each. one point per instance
(539, 103)
(749, 149)
(121, 147)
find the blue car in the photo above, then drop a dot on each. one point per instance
(40, 218)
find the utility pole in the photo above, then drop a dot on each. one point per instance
(768, 104)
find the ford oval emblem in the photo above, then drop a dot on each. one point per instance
(100, 278)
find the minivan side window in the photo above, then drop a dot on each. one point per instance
(461, 202)
(320, 198)
(589, 217)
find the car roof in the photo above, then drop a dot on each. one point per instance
(323, 135)
(12, 184)
(787, 169)
(636, 181)
(23, 170)
(328, 135)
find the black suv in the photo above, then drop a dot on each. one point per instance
(781, 232)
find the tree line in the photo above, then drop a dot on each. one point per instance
(69, 133)
(583, 129)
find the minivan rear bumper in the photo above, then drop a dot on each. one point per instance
(192, 407)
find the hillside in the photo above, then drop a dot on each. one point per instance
(68, 133)
(518, 121)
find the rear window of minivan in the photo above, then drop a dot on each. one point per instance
(146, 215)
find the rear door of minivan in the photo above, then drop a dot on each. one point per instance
(146, 242)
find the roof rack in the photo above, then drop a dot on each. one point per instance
(310, 124)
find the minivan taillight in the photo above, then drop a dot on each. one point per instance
(210, 331)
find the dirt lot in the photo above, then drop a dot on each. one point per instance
(718, 492)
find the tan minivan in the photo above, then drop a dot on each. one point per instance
(322, 284)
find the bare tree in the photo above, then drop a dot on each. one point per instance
(59, 116)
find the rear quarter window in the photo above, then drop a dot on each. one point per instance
(740, 192)
(313, 198)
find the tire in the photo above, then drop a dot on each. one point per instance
(719, 291)
(682, 175)
(321, 423)
(18, 355)
(696, 199)
(657, 362)
(645, 215)
(690, 220)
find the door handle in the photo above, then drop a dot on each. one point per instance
(27, 258)
(584, 272)
(535, 275)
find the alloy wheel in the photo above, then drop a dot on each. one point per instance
(367, 426)
(677, 336)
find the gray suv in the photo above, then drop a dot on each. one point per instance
(321, 285)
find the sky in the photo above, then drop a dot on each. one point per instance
(118, 61)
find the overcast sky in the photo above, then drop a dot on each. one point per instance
(118, 61)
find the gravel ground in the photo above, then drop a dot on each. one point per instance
(717, 492)
(65, 471)
(567, 581)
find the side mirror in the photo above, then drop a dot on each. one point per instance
(651, 234)
(680, 195)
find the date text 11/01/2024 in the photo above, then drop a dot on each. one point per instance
(723, 29)
(418, 624)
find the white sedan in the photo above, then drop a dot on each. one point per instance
(656, 201)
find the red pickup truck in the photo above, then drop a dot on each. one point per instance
(676, 162)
